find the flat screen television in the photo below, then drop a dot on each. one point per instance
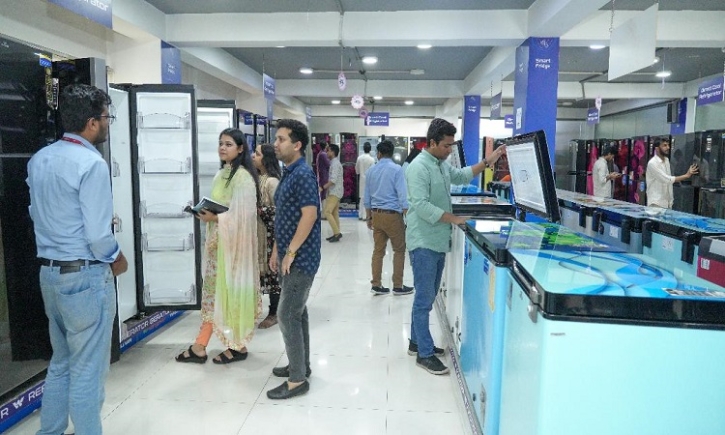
(532, 179)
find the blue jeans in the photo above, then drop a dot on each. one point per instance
(80, 307)
(293, 321)
(427, 273)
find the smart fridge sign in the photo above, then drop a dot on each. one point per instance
(95, 10)
(378, 119)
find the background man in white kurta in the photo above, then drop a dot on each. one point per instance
(363, 163)
(601, 175)
(660, 178)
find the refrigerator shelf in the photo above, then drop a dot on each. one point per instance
(168, 296)
(164, 210)
(169, 242)
(164, 121)
(164, 166)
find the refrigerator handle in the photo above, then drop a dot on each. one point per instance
(647, 227)
(689, 241)
(583, 217)
(626, 230)
(117, 224)
(115, 168)
(596, 220)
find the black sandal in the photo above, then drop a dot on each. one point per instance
(192, 358)
(224, 359)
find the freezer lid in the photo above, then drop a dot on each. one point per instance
(482, 206)
(616, 288)
(630, 216)
(532, 179)
(489, 235)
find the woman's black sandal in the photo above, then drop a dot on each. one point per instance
(192, 358)
(224, 359)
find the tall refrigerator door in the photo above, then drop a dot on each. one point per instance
(210, 121)
(122, 187)
(166, 160)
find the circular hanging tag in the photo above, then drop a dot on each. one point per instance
(341, 81)
(363, 113)
(357, 102)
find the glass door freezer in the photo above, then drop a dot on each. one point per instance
(604, 343)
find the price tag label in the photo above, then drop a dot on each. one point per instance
(668, 244)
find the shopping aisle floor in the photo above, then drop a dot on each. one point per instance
(363, 381)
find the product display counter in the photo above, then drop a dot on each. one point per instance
(577, 210)
(609, 343)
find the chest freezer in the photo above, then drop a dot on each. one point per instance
(607, 343)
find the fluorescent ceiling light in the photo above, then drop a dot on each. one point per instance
(409, 102)
(655, 60)
(370, 60)
(305, 70)
(335, 101)
(424, 46)
(597, 46)
(567, 103)
(377, 97)
(417, 72)
(280, 46)
(663, 74)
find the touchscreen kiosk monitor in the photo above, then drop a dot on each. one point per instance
(532, 179)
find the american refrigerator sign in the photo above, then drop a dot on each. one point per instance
(95, 10)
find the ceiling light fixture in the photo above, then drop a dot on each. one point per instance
(369, 60)
(280, 46)
(305, 70)
(409, 102)
(655, 60)
(335, 101)
(377, 97)
(567, 103)
(597, 46)
(663, 74)
(424, 46)
(417, 72)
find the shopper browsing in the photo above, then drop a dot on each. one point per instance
(659, 177)
(386, 204)
(335, 189)
(600, 173)
(296, 254)
(363, 163)
(230, 293)
(72, 208)
(428, 235)
(267, 165)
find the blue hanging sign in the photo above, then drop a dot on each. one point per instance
(248, 118)
(99, 11)
(496, 106)
(508, 121)
(170, 64)
(593, 116)
(269, 86)
(471, 128)
(378, 119)
(710, 91)
(679, 126)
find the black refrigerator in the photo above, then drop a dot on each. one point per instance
(29, 87)
(578, 166)
(709, 155)
(682, 154)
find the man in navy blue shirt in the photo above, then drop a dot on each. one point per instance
(296, 254)
(71, 207)
(386, 203)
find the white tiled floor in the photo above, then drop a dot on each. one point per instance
(363, 381)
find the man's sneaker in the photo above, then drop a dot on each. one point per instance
(413, 349)
(432, 364)
(402, 291)
(380, 290)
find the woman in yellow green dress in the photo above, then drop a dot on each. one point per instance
(230, 293)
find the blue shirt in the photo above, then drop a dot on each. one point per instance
(71, 202)
(385, 186)
(297, 189)
(429, 193)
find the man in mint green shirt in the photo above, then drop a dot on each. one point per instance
(428, 235)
